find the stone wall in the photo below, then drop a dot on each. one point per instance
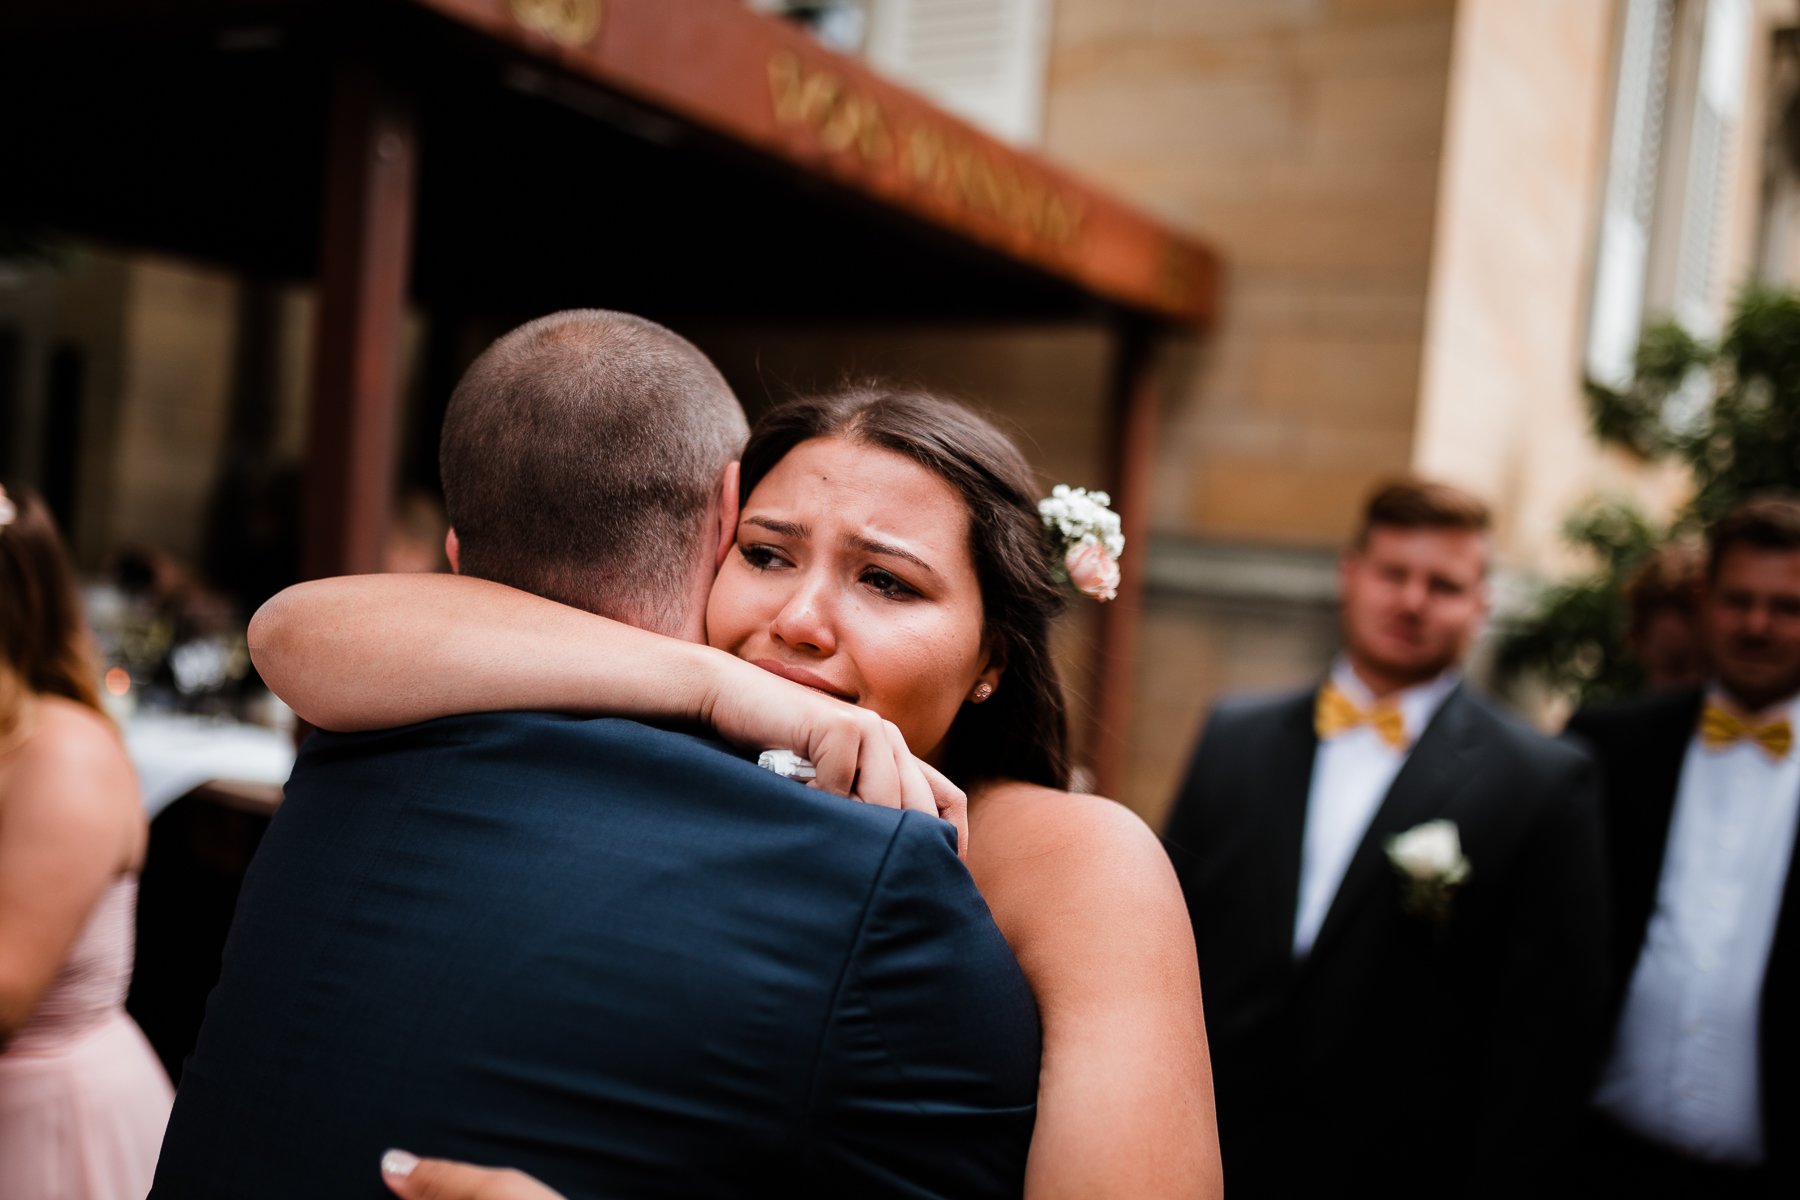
(1302, 139)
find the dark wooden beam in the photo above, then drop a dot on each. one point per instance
(371, 174)
(767, 85)
(1135, 399)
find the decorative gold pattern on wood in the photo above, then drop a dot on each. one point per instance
(938, 158)
(568, 22)
(757, 81)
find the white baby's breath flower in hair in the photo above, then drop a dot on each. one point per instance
(9, 512)
(1089, 537)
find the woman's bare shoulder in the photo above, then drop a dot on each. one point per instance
(64, 727)
(74, 760)
(1059, 829)
(1054, 864)
(1090, 905)
(1082, 889)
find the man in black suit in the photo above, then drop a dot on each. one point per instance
(1700, 1092)
(616, 957)
(1396, 896)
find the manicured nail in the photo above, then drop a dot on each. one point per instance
(398, 1163)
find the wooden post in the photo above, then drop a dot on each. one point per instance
(365, 252)
(1135, 402)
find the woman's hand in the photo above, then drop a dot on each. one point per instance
(439, 1179)
(854, 752)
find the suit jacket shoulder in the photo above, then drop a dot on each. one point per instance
(1240, 733)
(898, 1068)
(1625, 729)
(1553, 761)
(1640, 746)
(1249, 711)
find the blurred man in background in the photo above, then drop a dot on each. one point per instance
(1700, 1093)
(1396, 895)
(1662, 597)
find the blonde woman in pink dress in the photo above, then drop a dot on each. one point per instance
(83, 1100)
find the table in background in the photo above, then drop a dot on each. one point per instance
(209, 787)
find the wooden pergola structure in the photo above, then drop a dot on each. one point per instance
(681, 158)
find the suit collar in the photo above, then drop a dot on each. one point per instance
(1418, 704)
(1289, 778)
(1672, 734)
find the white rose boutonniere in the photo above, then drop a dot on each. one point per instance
(1430, 861)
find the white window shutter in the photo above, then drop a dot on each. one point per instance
(1718, 107)
(982, 59)
(1623, 256)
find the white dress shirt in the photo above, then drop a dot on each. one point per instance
(1684, 1069)
(1351, 775)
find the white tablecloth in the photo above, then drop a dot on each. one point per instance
(175, 754)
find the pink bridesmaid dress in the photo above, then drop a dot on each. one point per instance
(83, 1099)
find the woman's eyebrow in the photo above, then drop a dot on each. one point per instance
(868, 545)
(871, 546)
(791, 529)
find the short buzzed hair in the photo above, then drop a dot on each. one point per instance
(580, 455)
(1763, 523)
(1422, 504)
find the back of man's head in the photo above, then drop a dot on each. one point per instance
(581, 456)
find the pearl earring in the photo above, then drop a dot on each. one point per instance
(982, 692)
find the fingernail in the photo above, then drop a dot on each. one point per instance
(399, 1163)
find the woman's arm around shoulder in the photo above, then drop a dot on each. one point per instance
(1086, 897)
(375, 651)
(70, 823)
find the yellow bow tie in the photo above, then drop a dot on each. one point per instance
(1337, 713)
(1720, 727)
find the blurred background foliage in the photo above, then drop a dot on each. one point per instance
(1730, 414)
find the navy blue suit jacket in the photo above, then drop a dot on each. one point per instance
(615, 957)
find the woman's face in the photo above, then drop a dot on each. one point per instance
(853, 575)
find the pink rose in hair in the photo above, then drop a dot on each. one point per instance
(1093, 571)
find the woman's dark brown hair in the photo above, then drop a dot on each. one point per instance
(45, 647)
(1022, 732)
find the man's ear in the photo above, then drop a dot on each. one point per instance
(728, 514)
(453, 551)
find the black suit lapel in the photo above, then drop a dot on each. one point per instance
(1778, 1042)
(1421, 791)
(1664, 755)
(1642, 781)
(1289, 776)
